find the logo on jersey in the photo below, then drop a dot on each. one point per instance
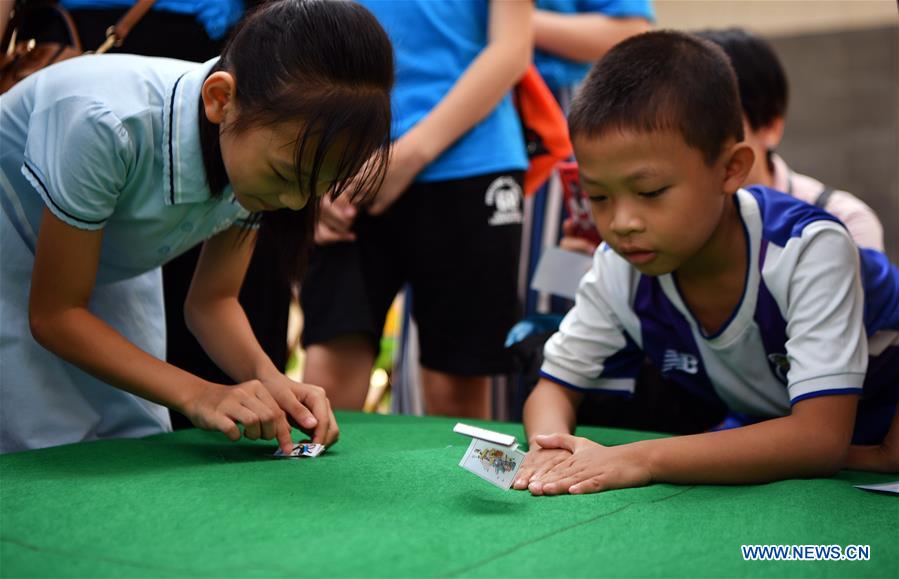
(780, 365)
(680, 361)
(504, 194)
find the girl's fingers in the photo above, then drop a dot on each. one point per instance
(268, 417)
(225, 425)
(333, 429)
(319, 409)
(248, 418)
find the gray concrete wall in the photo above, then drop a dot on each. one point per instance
(843, 120)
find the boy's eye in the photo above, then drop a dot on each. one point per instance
(655, 193)
(597, 198)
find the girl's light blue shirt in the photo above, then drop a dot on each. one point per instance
(112, 142)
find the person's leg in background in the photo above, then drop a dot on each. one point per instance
(345, 295)
(468, 234)
(342, 366)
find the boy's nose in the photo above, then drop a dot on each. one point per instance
(625, 222)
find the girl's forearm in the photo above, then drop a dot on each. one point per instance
(81, 338)
(222, 328)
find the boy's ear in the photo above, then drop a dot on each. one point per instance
(218, 97)
(738, 163)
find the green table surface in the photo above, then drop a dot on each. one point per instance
(390, 500)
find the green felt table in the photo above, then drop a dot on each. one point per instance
(390, 500)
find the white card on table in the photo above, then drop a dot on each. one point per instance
(302, 450)
(494, 463)
(484, 434)
(889, 488)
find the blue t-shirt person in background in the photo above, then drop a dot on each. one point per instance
(216, 16)
(570, 35)
(447, 219)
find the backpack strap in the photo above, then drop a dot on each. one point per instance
(823, 197)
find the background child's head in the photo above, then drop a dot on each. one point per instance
(763, 93)
(327, 69)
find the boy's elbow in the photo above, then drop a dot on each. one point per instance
(829, 456)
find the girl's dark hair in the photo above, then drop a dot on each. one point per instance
(330, 65)
(760, 75)
(662, 80)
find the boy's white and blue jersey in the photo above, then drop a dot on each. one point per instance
(818, 316)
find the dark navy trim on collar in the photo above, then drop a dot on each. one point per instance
(171, 145)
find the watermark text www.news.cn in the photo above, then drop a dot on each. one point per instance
(805, 552)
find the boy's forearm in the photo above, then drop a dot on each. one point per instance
(551, 408)
(771, 450)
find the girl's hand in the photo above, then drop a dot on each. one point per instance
(307, 406)
(219, 407)
(335, 223)
(591, 467)
(537, 462)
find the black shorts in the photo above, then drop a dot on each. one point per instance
(456, 243)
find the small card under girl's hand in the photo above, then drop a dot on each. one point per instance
(302, 450)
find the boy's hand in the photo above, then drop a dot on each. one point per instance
(307, 406)
(591, 467)
(219, 407)
(537, 462)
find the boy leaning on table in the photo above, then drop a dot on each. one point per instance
(746, 294)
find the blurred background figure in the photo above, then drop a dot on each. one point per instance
(447, 219)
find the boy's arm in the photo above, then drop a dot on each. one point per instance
(812, 441)
(475, 94)
(583, 37)
(214, 315)
(550, 408)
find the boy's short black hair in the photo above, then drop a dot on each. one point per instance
(662, 80)
(760, 74)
